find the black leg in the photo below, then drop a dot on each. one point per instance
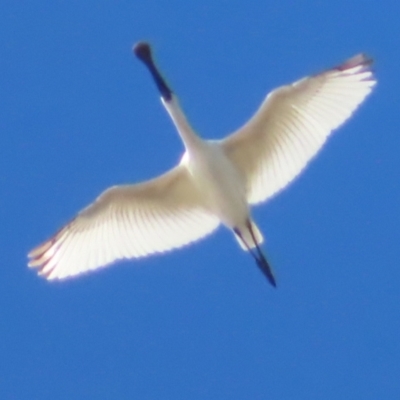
(261, 260)
(259, 257)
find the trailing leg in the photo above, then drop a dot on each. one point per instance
(255, 250)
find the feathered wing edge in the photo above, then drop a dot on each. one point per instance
(127, 222)
(293, 123)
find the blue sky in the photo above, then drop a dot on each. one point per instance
(79, 113)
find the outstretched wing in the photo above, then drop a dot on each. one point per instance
(293, 123)
(126, 222)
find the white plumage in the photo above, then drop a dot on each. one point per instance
(293, 123)
(215, 182)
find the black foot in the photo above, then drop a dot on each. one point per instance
(266, 269)
(258, 256)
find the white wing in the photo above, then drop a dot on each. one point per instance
(293, 123)
(125, 222)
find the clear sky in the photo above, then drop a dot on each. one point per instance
(79, 113)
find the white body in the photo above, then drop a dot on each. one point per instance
(218, 182)
(215, 182)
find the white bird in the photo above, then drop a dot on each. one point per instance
(215, 181)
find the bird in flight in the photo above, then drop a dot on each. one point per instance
(216, 181)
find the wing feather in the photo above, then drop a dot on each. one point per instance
(293, 123)
(127, 222)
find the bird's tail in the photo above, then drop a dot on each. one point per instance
(250, 239)
(245, 238)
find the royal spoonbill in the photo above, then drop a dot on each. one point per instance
(215, 182)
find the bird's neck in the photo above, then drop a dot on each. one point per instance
(187, 134)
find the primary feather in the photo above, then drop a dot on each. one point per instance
(293, 123)
(125, 222)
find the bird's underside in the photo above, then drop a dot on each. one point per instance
(170, 211)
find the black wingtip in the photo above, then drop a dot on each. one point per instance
(359, 60)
